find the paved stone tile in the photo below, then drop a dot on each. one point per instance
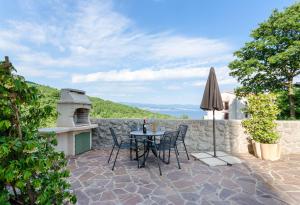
(134, 199)
(107, 196)
(245, 199)
(175, 199)
(281, 178)
(225, 193)
(252, 182)
(190, 196)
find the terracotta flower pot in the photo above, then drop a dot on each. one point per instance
(256, 149)
(270, 151)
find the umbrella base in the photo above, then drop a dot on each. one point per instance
(222, 159)
(218, 153)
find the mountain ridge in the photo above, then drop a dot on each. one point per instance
(100, 108)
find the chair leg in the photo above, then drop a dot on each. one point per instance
(137, 153)
(169, 146)
(164, 152)
(116, 157)
(169, 155)
(176, 153)
(146, 147)
(111, 153)
(144, 153)
(159, 148)
(186, 151)
(130, 149)
(157, 160)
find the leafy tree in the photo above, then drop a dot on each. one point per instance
(271, 61)
(263, 111)
(283, 104)
(31, 171)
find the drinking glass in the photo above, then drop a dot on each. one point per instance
(138, 127)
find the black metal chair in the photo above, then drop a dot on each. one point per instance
(168, 142)
(182, 133)
(144, 146)
(121, 144)
(136, 142)
(149, 144)
(132, 139)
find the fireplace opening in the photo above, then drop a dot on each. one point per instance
(81, 117)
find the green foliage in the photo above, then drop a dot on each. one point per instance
(107, 109)
(283, 104)
(263, 111)
(184, 116)
(271, 60)
(50, 97)
(31, 171)
(100, 108)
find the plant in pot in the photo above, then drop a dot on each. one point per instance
(261, 125)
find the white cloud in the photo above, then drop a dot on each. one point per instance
(93, 34)
(91, 42)
(9, 42)
(222, 81)
(36, 72)
(30, 31)
(142, 75)
(173, 47)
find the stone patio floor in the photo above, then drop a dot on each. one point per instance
(252, 182)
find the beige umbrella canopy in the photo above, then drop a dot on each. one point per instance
(212, 100)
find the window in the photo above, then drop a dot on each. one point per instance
(226, 105)
(226, 116)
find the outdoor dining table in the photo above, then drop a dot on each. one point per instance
(150, 138)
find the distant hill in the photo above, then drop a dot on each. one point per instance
(100, 109)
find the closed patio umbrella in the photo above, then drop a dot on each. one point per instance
(212, 100)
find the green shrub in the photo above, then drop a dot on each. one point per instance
(262, 110)
(31, 171)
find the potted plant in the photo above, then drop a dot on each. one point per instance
(261, 125)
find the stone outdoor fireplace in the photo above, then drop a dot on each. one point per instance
(73, 108)
(73, 129)
(81, 117)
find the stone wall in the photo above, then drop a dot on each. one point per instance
(290, 136)
(230, 136)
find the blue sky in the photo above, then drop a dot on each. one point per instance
(145, 51)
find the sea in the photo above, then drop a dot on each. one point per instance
(191, 111)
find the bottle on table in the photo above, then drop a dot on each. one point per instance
(144, 127)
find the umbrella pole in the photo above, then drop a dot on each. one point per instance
(214, 133)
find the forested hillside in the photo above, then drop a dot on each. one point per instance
(100, 108)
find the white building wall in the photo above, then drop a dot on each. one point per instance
(235, 108)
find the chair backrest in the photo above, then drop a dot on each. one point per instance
(170, 137)
(182, 131)
(114, 136)
(135, 127)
